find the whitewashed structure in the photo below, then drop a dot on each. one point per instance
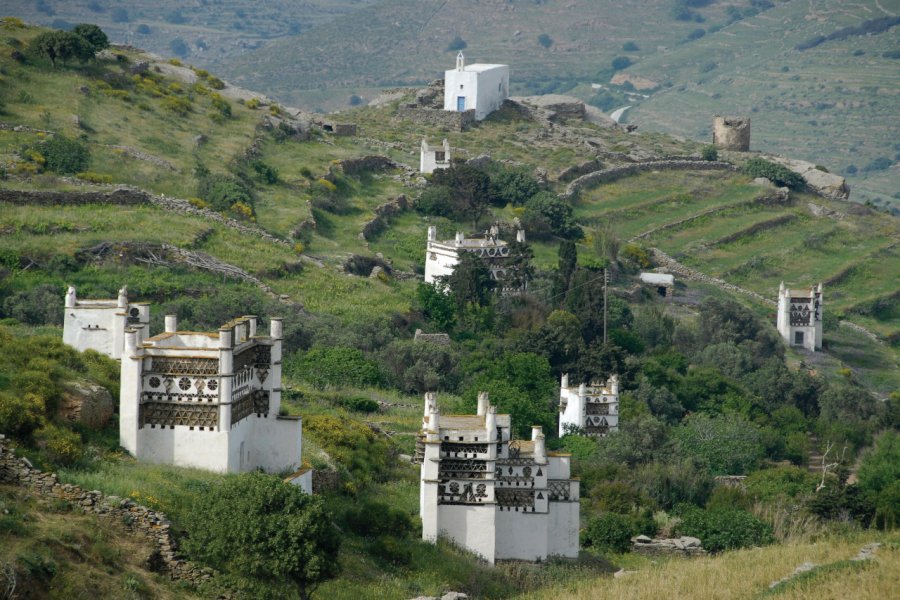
(663, 282)
(100, 324)
(592, 409)
(499, 498)
(441, 257)
(433, 158)
(800, 317)
(208, 400)
(478, 87)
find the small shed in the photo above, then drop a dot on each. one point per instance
(663, 282)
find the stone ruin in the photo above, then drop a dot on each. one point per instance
(731, 133)
(683, 546)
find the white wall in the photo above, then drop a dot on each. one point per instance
(276, 443)
(471, 527)
(439, 261)
(521, 536)
(485, 87)
(562, 527)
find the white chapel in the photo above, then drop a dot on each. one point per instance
(478, 87)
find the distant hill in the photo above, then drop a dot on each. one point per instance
(834, 102)
(207, 32)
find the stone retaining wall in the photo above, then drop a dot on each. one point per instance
(445, 119)
(139, 520)
(383, 212)
(607, 175)
(373, 162)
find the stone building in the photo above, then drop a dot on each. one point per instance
(441, 257)
(432, 158)
(800, 317)
(663, 282)
(592, 409)
(478, 87)
(502, 499)
(731, 133)
(208, 400)
(100, 324)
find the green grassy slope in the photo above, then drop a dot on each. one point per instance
(833, 104)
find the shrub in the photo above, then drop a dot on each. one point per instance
(362, 454)
(610, 532)
(372, 518)
(63, 155)
(621, 62)
(215, 83)
(723, 528)
(435, 200)
(20, 414)
(546, 215)
(697, 34)
(359, 404)
(93, 35)
(334, 367)
(259, 527)
(94, 177)
(220, 104)
(456, 44)
(390, 549)
(730, 445)
(176, 105)
(62, 446)
(709, 153)
(637, 255)
(630, 47)
(252, 103)
(512, 186)
(545, 40)
(778, 174)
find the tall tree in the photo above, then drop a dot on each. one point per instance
(470, 189)
(470, 284)
(93, 35)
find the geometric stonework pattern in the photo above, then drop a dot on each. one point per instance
(256, 402)
(800, 312)
(468, 468)
(449, 449)
(167, 414)
(597, 409)
(185, 366)
(514, 498)
(559, 490)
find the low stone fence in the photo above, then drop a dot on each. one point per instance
(607, 175)
(383, 213)
(373, 162)
(445, 119)
(683, 546)
(139, 520)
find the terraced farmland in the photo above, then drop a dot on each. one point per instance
(711, 221)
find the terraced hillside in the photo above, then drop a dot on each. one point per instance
(134, 137)
(832, 104)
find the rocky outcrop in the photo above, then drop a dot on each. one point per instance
(821, 182)
(87, 403)
(683, 546)
(383, 214)
(151, 525)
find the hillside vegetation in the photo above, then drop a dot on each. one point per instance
(263, 215)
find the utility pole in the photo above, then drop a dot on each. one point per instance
(605, 285)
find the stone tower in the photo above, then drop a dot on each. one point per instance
(731, 133)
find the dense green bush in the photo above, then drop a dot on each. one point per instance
(609, 532)
(416, 368)
(777, 174)
(333, 367)
(359, 404)
(256, 526)
(546, 216)
(435, 200)
(362, 455)
(709, 152)
(729, 445)
(372, 518)
(723, 528)
(64, 155)
(512, 186)
(879, 476)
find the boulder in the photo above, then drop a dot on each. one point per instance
(827, 184)
(87, 403)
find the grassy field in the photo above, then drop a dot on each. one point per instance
(748, 573)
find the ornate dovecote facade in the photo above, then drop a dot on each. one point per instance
(208, 400)
(499, 498)
(100, 324)
(800, 317)
(441, 257)
(592, 409)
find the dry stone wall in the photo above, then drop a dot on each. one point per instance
(445, 119)
(139, 520)
(614, 173)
